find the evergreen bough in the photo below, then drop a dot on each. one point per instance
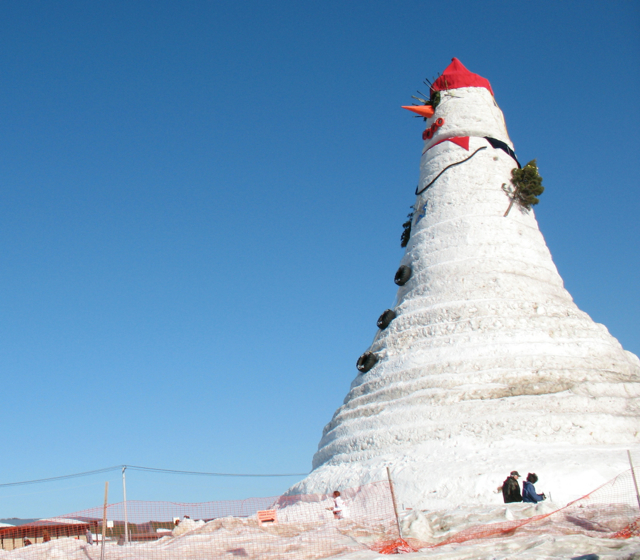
(434, 98)
(406, 233)
(527, 186)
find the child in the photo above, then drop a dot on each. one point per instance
(339, 509)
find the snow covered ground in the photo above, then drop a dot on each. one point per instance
(292, 545)
(350, 540)
(575, 547)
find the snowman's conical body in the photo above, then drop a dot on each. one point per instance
(489, 366)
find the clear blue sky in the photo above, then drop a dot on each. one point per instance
(202, 205)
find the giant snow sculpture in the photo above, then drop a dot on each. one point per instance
(488, 365)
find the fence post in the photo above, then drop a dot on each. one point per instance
(393, 497)
(633, 474)
(104, 518)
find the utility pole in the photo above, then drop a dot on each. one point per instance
(124, 495)
(104, 518)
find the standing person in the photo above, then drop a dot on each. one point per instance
(89, 535)
(45, 536)
(511, 488)
(529, 492)
(339, 510)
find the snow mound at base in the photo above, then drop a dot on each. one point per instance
(187, 525)
(345, 539)
(445, 474)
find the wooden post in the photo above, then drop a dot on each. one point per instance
(393, 497)
(104, 518)
(633, 474)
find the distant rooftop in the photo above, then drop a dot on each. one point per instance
(15, 522)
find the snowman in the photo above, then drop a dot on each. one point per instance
(484, 364)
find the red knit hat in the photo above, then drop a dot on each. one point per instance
(457, 76)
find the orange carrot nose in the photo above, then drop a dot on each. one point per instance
(425, 111)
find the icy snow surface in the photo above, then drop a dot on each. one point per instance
(235, 537)
(489, 365)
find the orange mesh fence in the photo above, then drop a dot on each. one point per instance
(610, 511)
(289, 527)
(297, 527)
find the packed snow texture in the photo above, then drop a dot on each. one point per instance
(349, 540)
(489, 365)
(321, 536)
(468, 112)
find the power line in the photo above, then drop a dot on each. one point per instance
(147, 469)
(208, 473)
(87, 473)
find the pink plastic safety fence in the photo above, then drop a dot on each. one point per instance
(300, 527)
(610, 511)
(283, 527)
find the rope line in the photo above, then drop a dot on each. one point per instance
(448, 166)
(148, 469)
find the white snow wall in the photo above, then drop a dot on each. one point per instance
(489, 365)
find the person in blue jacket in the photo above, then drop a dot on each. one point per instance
(529, 492)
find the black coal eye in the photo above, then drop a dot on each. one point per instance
(435, 99)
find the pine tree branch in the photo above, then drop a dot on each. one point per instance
(513, 199)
